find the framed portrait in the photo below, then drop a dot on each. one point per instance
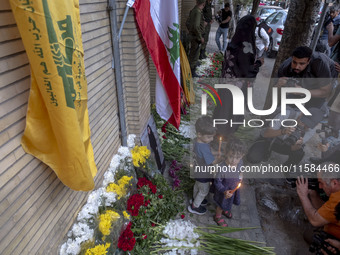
(150, 139)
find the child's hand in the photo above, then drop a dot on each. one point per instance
(228, 194)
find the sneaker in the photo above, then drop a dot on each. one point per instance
(204, 202)
(200, 210)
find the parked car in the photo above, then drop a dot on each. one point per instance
(264, 11)
(277, 22)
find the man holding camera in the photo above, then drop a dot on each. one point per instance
(318, 212)
(286, 140)
(225, 17)
(306, 64)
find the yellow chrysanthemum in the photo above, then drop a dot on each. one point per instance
(98, 250)
(124, 180)
(139, 155)
(105, 221)
(119, 188)
(126, 215)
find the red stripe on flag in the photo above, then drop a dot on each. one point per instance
(160, 58)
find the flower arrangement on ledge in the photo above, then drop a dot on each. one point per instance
(125, 213)
(210, 67)
(133, 213)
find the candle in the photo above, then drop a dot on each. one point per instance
(219, 146)
(238, 186)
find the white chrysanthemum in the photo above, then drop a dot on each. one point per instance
(69, 233)
(131, 141)
(73, 247)
(110, 198)
(115, 162)
(83, 231)
(109, 177)
(95, 197)
(180, 234)
(63, 249)
(205, 66)
(186, 130)
(124, 152)
(87, 212)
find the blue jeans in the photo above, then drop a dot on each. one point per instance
(219, 32)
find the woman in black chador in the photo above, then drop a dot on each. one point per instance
(154, 147)
(240, 68)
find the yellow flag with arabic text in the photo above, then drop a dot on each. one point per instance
(57, 123)
(187, 82)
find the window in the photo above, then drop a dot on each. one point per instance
(270, 18)
(277, 18)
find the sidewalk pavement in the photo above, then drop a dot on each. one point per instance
(244, 215)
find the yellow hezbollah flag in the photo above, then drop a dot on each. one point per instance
(57, 123)
(187, 83)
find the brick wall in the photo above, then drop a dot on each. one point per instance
(36, 209)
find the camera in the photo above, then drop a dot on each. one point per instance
(218, 18)
(291, 82)
(295, 136)
(320, 243)
(313, 184)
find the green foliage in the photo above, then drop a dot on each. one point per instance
(171, 145)
(242, 2)
(164, 205)
(213, 242)
(187, 183)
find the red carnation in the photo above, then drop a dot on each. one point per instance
(182, 216)
(147, 203)
(153, 224)
(134, 203)
(145, 182)
(160, 196)
(126, 241)
(144, 236)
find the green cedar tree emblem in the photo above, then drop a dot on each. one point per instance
(173, 35)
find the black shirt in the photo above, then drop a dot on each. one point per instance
(225, 14)
(320, 67)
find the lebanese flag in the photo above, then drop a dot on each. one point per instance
(158, 22)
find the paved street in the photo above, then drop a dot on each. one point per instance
(245, 215)
(275, 228)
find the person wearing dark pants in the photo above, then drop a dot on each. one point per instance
(208, 20)
(196, 30)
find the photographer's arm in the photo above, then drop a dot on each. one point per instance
(332, 39)
(311, 212)
(315, 199)
(226, 20)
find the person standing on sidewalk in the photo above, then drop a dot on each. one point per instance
(225, 15)
(261, 42)
(196, 30)
(208, 20)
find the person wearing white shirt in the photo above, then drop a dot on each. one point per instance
(261, 42)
